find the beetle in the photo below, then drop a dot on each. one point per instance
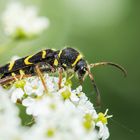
(49, 60)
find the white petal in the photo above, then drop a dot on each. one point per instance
(15, 17)
(17, 94)
(103, 131)
(28, 101)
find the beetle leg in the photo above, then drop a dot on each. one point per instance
(60, 71)
(9, 79)
(98, 98)
(40, 75)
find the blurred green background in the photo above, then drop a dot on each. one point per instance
(103, 30)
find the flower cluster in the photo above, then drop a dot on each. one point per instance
(23, 22)
(9, 120)
(60, 114)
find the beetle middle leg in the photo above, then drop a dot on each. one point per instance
(43, 67)
(40, 75)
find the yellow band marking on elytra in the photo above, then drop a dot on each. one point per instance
(11, 65)
(56, 62)
(43, 54)
(26, 61)
(60, 53)
(77, 59)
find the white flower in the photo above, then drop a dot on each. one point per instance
(17, 94)
(52, 83)
(62, 114)
(103, 131)
(33, 87)
(74, 105)
(85, 105)
(9, 121)
(30, 104)
(20, 21)
(102, 124)
(58, 120)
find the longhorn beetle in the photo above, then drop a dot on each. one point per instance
(51, 61)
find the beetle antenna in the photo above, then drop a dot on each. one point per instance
(98, 98)
(111, 64)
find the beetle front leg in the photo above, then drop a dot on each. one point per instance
(60, 71)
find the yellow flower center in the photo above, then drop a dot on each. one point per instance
(68, 82)
(103, 117)
(53, 106)
(66, 94)
(88, 121)
(50, 132)
(20, 84)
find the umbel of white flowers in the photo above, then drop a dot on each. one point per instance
(62, 114)
(21, 21)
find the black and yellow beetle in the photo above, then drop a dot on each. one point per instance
(51, 61)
